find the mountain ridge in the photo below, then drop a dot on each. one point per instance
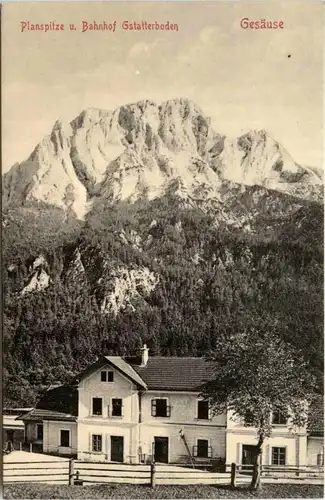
(145, 150)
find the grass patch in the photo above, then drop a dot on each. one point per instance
(94, 492)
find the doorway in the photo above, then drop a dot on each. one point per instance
(248, 455)
(161, 449)
(117, 449)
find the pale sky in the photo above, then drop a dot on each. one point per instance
(242, 79)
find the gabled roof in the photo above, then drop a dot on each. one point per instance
(38, 415)
(117, 362)
(127, 369)
(174, 374)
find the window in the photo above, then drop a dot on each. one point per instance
(203, 410)
(202, 450)
(106, 376)
(40, 431)
(249, 418)
(97, 406)
(65, 438)
(279, 418)
(278, 456)
(159, 408)
(117, 408)
(97, 442)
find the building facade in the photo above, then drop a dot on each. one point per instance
(135, 410)
(283, 447)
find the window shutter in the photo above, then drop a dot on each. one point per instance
(122, 410)
(267, 455)
(209, 452)
(167, 411)
(194, 451)
(153, 407)
(90, 443)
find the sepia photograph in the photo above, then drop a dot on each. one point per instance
(162, 249)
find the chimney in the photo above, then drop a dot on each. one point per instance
(144, 355)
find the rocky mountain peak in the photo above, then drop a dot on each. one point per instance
(145, 149)
(88, 117)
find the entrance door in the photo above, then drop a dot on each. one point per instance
(117, 449)
(161, 449)
(248, 455)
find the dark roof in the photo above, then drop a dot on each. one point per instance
(175, 374)
(59, 403)
(38, 415)
(316, 418)
(62, 399)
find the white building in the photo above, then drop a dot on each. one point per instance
(283, 447)
(129, 410)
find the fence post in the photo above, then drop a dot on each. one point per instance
(233, 475)
(153, 474)
(71, 472)
(30, 447)
(256, 477)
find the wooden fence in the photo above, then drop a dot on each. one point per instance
(56, 472)
(92, 472)
(88, 472)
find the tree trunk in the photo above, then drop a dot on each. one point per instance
(256, 476)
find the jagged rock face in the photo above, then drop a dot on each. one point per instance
(164, 149)
(147, 150)
(255, 158)
(39, 279)
(48, 175)
(128, 287)
(115, 287)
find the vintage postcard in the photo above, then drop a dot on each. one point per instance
(162, 249)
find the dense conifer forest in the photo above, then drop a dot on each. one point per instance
(212, 278)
